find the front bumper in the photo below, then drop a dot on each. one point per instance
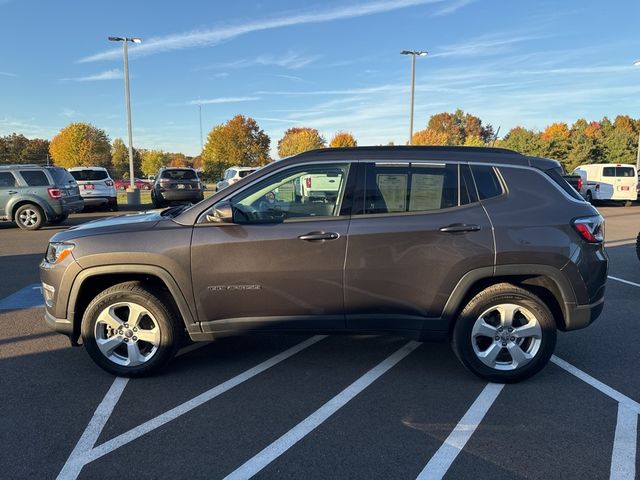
(60, 325)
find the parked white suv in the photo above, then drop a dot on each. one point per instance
(233, 175)
(96, 187)
(608, 181)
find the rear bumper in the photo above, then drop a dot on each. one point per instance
(581, 316)
(181, 195)
(91, 201)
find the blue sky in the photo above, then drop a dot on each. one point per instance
(332, 65)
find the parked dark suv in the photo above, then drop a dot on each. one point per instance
(33, 195)
(176, 185)
(483, 246)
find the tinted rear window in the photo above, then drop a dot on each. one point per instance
(487, 181)
(89, 175)
(244, 173)
(179, 175)
(61, 177)
(35, 178)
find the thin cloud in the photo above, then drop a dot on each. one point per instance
(483, 45)
(115, 74)
(212, 101)
(7, 74)
(289, 77)
(69, 113)
(207, 38)
(453, 7)
(290, 60)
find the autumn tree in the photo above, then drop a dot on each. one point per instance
(458, 126)
(240, 142)
(16, 148)
(119, 158)
(81, 145)
(429, 137)
(556, 141)
(178, 160)
(152, 161)
(343, 139)
(299, 139)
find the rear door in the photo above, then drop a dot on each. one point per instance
(624, 181)
(280, 265)
(416, 229)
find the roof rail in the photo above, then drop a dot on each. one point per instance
(427, 148)
(22, 165)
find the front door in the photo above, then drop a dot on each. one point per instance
(416, 229)
(280, 263)
(7, 190)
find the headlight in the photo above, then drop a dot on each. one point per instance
(58, 251)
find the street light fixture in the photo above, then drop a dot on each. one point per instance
(637, 64)
(133, 194)
(414, 54)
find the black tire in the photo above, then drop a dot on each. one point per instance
(159, 314)
(59, 219)
(589, 197)
(29, 217)
(156, 203)
(638, 246)
(464, 344)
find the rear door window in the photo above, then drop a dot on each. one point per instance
(487, 181)
(627, 172)
(403, 188)
(34, 178)
(7, 180)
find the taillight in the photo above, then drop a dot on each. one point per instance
(579, 183)
(307, 182)
(590, 229)
(108, 183)
(55, 193)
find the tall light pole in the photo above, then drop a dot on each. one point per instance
(133, 194)
(414, 54)
(637, 64)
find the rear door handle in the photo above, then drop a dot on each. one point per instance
(460, 227)
(12, 192)
(318, 236)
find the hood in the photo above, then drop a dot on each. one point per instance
(121, 223)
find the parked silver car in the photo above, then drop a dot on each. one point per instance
(96, 187)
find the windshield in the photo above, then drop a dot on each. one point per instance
(89, 175)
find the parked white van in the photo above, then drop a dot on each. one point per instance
(608, 181)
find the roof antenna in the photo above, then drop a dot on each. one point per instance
(495, 137)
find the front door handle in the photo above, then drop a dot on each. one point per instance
(319, 236)
(12, 192)
(459, 228)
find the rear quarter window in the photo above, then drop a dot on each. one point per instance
(558, 179)
(487, 181)
(35, 178)
(61, 177)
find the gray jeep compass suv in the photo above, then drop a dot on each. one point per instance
(486, 247)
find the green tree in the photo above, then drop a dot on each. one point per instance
(474, 141)
(584, 144)
(299, 139)
(119, 159)
(555, 141)
(81, 144)
(152, 161)
(343, 139)
(240, 141)
(11, 148)
(523, 140)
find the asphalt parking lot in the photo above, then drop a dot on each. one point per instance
(318, 407)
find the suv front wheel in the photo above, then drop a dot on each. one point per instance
(505, 334)
(130, 330)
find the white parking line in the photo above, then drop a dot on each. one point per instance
(623, 458)
(597, 384)
(150, 425)
(297, 433)
(622, 280)
(458, 438)
(90, 435)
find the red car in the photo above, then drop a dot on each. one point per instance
(139, 183)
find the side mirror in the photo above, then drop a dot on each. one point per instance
(222, 213)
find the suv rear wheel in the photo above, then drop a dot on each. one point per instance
(505, 334)
(130, 330)
(29, 217)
